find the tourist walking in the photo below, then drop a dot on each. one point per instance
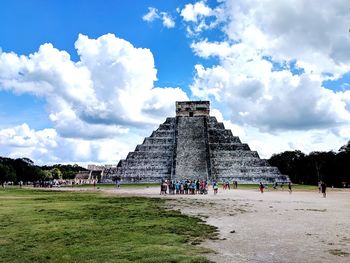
(117, 182)
(261, 187)
(275, 185)
(290, 187)
(323, 189)
(163, 188)
(319, 187)
(177, 187)
(215, 188)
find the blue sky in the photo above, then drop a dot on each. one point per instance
(28, 24)
(276, 74)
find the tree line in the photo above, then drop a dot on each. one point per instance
(331, 167)
(24, 169)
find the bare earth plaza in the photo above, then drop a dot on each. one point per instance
(183, 131)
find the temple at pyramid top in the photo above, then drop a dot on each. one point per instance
(194, 145)
(192, 108)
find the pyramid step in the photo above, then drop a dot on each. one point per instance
(163, 134)
(216, 125)
(166, 127)
(228, 146)
(150, 155)
(138, 170)
(170, 120)
(223, 154)
(158, 141)
(154, 148)
(146, 163)
(220, 132)
(238, 161)
(223, 139)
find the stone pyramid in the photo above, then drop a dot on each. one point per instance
(194, 145)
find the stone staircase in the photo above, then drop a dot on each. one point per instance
(192, 158)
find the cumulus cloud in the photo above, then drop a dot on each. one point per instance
(168, 21)
(302, 37)
(153, 14)
(22, 141)
(193, 12)
(199, 17)
(105, 93)
(46, 146)
(97, 105)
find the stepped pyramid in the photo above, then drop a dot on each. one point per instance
(194, 145)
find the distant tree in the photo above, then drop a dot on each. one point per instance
(289, 163)
(7, 174)
(323, 163)
(345, 148)
(44, 175)
(342, 165)
(56, 173)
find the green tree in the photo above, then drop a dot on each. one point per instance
(44, 175)
(7, 173)
(56, 173)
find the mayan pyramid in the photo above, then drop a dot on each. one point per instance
(194, 145)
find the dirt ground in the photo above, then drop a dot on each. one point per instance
(271, 227)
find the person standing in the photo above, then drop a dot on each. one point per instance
(319, 187)
(215, 188)
(261, 187)
(323, 189)
(290, 187)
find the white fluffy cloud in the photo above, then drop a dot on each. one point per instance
(153, 14)
(46, 146)
(269, 79)
(103, 94)
(193, 12)
(103, 100)
(199, 17)
(246, 79)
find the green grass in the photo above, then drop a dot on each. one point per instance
(53, 226)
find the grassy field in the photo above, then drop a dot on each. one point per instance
(53, 226)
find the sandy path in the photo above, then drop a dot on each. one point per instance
(272, 227)
(277, 226)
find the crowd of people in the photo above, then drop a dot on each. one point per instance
(187, 187)
(192, 187)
